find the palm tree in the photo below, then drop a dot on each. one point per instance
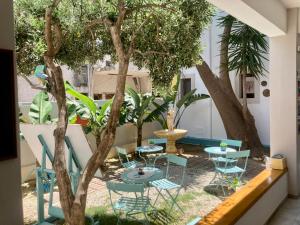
(143, 110)
(246, 52)
(242, 49)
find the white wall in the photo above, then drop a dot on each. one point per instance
(264, 208)
(202, 119)
(26, 93)
(283, 107)
(10, 178)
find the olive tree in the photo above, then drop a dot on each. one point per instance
(162, 36)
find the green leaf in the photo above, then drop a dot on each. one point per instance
(180, 103)
(40, 108)
(84, 99)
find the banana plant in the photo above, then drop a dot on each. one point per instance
(183, 103)
(170, 98)
(144, 109)
(40, 109)
(86, 109)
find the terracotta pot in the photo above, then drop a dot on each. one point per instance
(83, 122)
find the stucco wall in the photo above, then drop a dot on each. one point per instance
(126, 137)
(283, 112)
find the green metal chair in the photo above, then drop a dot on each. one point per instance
(231, 174)
(161, 142)
(168, 183)
(157, 141)
(236, 144)
(126, 163)
(137, 204)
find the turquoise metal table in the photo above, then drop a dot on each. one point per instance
(149, 149)
(218, 150)
(150, 174)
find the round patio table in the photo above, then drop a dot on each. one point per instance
(150, 174)
(218, 151)
(149, 149)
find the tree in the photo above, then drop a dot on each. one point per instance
(242, 49)
(162, 36)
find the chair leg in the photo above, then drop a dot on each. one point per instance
(159, 194)
(215, 176)
(146, 218)
(174, 202)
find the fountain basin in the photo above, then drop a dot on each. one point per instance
(171, 136)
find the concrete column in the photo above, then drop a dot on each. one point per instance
(10, 172)
(283, 99)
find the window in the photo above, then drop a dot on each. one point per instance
(186, 86)
(97, 96)
(109, 96)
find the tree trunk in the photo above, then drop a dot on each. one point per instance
(236, 126)
(74, 205)
(139, 136)
(244, 77)
(237, 119)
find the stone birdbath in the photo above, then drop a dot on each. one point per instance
(171, 136)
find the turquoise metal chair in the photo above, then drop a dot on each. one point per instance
(43, 174)
(137, 204)
(230, 174)
(236, 144)
(157, 141)
(124, 160)
(168, 183)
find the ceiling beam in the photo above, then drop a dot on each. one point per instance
(267, 16)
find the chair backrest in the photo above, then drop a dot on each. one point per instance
(233, 143)
(178, 161)
(123, 187)
(122, 154)
(239, 155)
(157, 141)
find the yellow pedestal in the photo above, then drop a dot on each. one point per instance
(171, 137)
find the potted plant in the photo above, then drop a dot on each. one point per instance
(151, 143)
(223, 146)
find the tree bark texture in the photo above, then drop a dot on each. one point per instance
(237, 119)
(139, 136)
(74, 204)
(236, 125)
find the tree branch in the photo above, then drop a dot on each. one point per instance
(132, 42)
(51, 49)
(99, 21)
(58, 38)
(151, 53)
(151, 6)
(32, 85)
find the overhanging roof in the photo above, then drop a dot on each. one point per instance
(267, 16)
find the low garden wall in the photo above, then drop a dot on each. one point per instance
(126, 137)
(254, 203)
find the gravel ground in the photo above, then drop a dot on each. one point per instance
(196, 198)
